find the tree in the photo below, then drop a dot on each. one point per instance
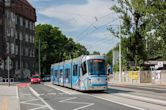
(95, 53)
(132, 29)
(55, 46)
(109, 57)
(156, 37)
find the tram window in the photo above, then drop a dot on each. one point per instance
(84, 71)
(61, 72)
(75, 70)
(67, 73)
(55, 73)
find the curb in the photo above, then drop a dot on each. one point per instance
(17, 96)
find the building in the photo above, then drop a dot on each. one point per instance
(17, 20)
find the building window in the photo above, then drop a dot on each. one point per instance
(33, 39)
(12, 48)
(13, 17)
(16, 36)
(33, 53)
(7, 48)
(26, 51)
(33, 26)
(30, 25)
(12, 32)
(26, 37)
(16, 65)
(26, 23)
(21, 21)
(21, 36)
(16, 49)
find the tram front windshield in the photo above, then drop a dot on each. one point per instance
(96, 67)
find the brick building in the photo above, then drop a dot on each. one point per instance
(17, 22)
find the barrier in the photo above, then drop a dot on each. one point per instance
(6, 79)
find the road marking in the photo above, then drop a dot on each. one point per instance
(25, 94)
(162, 102)
(61, 93)
(29, 100)
(71, 102)
(31, 104)
(71, 98)
(38, 96)
(38, 108)
(51, 93)
(17, 92)
(58, 89)
(84, 106)
(127, 105)
(34, 92)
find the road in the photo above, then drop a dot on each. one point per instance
(52, 97)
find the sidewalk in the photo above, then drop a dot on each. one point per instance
(136, 84)
(9, 99)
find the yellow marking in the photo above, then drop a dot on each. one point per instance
(4, 104)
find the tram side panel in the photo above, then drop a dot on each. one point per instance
(67, 75)
(76, 76)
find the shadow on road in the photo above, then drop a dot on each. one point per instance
(109, 90)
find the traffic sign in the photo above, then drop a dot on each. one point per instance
(160, 64)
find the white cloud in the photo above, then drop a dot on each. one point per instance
(76, 17)
(79, 14)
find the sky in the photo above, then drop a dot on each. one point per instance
(86, 21)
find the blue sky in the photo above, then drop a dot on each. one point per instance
(86, 21)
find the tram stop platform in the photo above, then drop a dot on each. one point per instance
(9, 99)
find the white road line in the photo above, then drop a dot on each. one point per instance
(29, 100)
(58, 89)
(34, 92)
(17, 92)
(157, 101)
(71, 102)
(38, 108)
(61, 93)
(127, 105)
(51, 93)
(25, 94)
(31, 104)
(84, 106)
(68, 99)
(38, 96)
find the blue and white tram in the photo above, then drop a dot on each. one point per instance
(84, 73)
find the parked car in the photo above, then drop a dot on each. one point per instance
(35, 79)
(46, 78)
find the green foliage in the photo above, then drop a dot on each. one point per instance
(55, 46)
(143, 34)
(109, 57)
(95, 53)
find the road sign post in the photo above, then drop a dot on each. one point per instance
(8, 68)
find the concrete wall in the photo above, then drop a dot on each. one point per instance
(136, 77)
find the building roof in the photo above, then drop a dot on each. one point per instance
(154, 62)
(27, 3)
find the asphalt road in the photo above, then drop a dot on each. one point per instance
(59, 100)
(51, 97)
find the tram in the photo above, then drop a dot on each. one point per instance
(85, 73)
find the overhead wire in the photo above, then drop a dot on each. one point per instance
(91, 25)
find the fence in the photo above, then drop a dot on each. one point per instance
(6, 79)
(155, 77)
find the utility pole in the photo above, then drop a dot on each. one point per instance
(8, 60)
(39, 58)
(120, 53)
